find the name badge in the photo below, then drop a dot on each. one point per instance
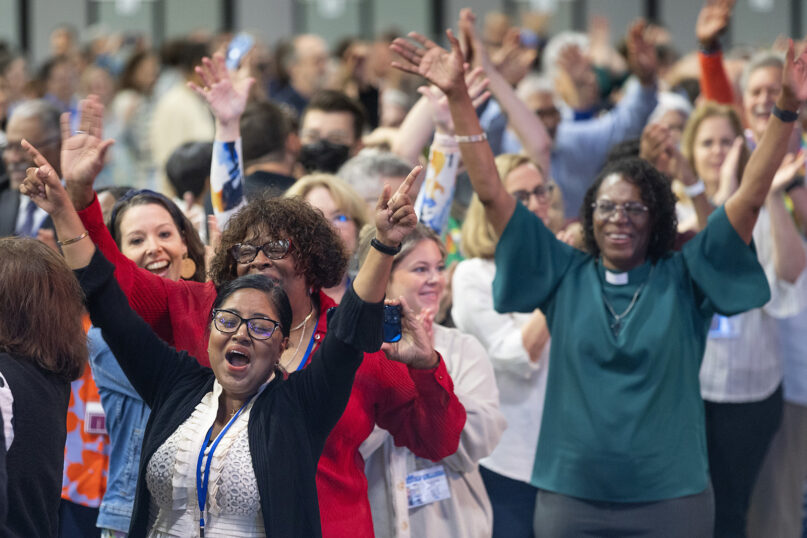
(94, 418)
(427, 486)
(723, 327)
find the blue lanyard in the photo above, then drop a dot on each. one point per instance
(308, 350)
(202, 478)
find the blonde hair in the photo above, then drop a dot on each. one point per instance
(702, 113)
(345, 196)
(478, 237)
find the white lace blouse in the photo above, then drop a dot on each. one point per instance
(233, 503)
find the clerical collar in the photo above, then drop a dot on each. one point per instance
(616, 279)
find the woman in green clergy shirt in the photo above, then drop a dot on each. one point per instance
(622, 447)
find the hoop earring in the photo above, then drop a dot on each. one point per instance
(188, 267)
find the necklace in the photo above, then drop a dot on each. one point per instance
(617, 324)
(304, 321)
(302, 336)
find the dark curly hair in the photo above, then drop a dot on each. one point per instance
(318, 250)
(657, 195)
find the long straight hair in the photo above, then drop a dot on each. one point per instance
(41, 308)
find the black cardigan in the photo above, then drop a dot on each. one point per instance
(35, 460)
(289, 422)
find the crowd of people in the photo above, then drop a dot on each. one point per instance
(523, 284)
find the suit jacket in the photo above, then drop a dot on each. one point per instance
(9, 205)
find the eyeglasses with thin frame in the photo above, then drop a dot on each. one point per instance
(606, 209)
(542, 192)
(274, 250)
(229, 322)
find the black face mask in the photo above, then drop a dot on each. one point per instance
(323, 156)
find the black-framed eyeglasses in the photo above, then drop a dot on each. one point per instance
(542, 192)
(227, 321)
(606, 209)
(274, 250)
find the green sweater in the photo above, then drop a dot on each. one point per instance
(623, 418)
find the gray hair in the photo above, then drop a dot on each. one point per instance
(364, 171)
(760, 60)
(668, 101)
(549, 58)
(534, 83)
(43, 111)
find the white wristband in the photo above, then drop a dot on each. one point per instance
(445, 140)
(470, 139)
(695, 189)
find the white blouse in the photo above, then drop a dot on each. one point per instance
(233, 504)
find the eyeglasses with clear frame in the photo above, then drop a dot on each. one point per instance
(542, 192)
(606, 209)
(228, 322)
(274, 250)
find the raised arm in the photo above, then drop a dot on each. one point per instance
(149, 363)
(788, 251)
(527, 125)
(445, 70)
(226, 95)
(742, 208)
(324, 387)
(713, 20)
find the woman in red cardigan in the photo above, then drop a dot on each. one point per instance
(289, 241)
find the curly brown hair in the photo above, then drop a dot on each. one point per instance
(318, 251)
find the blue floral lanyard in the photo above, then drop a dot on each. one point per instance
(202, 477)
(309, 348)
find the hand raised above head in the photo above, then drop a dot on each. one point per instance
(445, 69)
(641, 53)
(395, 215)
(226, 92)
(794, 78)
(713, 20)
(84, 152)
(43, 185)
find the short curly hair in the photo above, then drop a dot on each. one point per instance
(318, 251)
(656, 193)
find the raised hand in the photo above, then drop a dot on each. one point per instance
(712, 21)
(790, 168)
(84, 152)
(729, 172)
(415, 347)
(641, 54)
(477, 84)
(43, 185)
(226, 93)
(794, 77)
(445, 69)
(395, 215)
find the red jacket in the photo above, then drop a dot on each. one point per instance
(418, 407)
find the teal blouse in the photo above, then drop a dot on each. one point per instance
(623, 418)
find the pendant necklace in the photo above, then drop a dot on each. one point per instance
(617, 324)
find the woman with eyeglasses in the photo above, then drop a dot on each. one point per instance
(342, 206)
(622, 446)
(233, 450)
(293, 244)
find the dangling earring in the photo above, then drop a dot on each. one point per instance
(188, 267)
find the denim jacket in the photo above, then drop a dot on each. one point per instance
(126, 417)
